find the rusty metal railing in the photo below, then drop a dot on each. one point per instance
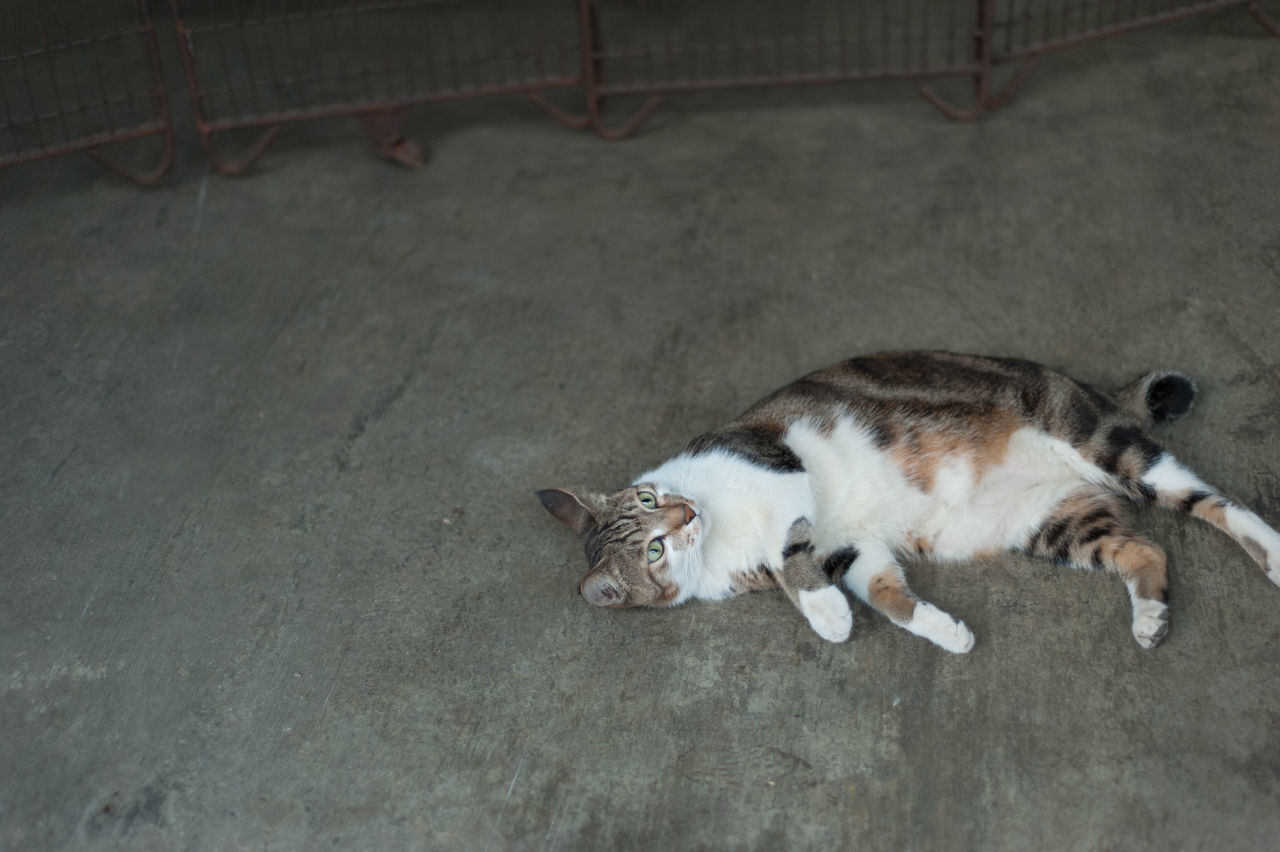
(76, 75)
(656, 47)
(79, 81)
(264, 65)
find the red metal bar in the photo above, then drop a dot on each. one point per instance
(593, 90)
(983, 100)
(54, 113)
(159, 106)
(982, 56)
(1267, 22)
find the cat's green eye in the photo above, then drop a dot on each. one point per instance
(649, 501)
(655, 550)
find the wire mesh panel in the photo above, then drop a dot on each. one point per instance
(251, 62)
(655, 45)
(1026, 27)
(77, 76)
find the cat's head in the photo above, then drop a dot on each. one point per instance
(640, 542)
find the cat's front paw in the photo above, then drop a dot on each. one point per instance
(828, 612)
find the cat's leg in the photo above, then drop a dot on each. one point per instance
(1085, 530)
(1175, 487)
(1145, 471)
(876, 578)
(809, 587)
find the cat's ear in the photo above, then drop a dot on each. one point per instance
(569, 508)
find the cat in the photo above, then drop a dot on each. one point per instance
(843, 474)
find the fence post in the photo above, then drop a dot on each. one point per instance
(984, 60)
(591, 38)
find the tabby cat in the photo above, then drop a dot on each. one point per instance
(839, 476)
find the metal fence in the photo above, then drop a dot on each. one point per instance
(77, 75)
(657, 46)
(265, 64)
(76, 80)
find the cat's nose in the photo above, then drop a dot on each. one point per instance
(689, 514)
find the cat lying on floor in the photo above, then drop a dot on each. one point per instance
(836, 476)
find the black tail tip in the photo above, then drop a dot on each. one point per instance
(1169, 396)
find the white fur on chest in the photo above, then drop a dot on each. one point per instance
(747, 509)
(860, 495)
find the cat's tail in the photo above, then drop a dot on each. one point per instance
(1158, 397)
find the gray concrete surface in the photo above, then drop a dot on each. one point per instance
(273, 571)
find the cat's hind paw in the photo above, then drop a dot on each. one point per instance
(828, 612)
(1150, 621)
(941, 629)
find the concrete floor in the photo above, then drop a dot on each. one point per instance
(275, 577)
